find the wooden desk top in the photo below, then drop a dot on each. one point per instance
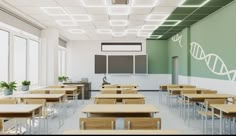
(203, 96)
(78, 85)
(59, 89)
(120, 132)
(180, 89)
(119, 96)
(19, 108)
(227, 108)
(175, 85)
(118, 89)
(120, 108)
(37, 96)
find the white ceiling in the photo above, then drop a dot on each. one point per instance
(85, 19)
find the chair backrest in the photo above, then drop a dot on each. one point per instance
(143, 123)
(1, 126)
(97, 123)
(38, 92)
(208, 92)
(172, 86)
(187, 86)
(110, 86)
(8, 101)
(129, 91)
(105, 101)
(214, 101)
(37, 101)
(57, 92)
(128, 86)
(188, 92)
(133, 101)
(55, 86)
(108, 91)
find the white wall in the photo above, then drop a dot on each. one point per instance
(80, 62)
(222, 86)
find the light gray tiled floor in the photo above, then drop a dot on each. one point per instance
(170, 118)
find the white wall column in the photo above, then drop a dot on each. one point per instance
(49, 52)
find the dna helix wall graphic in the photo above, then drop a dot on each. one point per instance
(213, 61)
(178, 38)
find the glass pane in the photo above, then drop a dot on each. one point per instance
(4, 44)
(33, 63)
(59, 62)
(19, 59)
(63, 62)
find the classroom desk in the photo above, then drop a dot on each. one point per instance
(120, 109)
(120, 132)
(119, 96)
(200, 98)
(50, 98)
(228, 110)
(20, 111)
(119, 90)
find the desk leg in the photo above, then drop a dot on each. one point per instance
(221, 125)
(33, 115)
(212, 123)
(184, 109)
(188, 111)
(83, 95)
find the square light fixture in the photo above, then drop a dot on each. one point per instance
(155, 36)
(118, 34)
(144, 3)
(150, 27)
(104, 30)
(199, 5)
(81, 17)
(144, 34)
(118, 22)
(171, 22)
(54, 11)
(76, 31)
(94, 3)
(157, 17)
(118, 10)
(66, 23)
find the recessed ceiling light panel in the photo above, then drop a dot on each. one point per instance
(150, 27)
(104, 30)
(76, 31)
(157, 17)
(94, 3)
(118, 10)
(144, 3)
(200, 5)
(66, 23)
(172, 22)
(81, 17)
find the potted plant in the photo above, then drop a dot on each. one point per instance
(25, 85)
(8, 88)
(62, 78)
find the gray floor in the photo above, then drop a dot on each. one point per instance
(170, 118)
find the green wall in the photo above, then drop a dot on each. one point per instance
(157, 51)
(216, 35)
(176, 48)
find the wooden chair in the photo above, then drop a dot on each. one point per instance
(2, 120)
(39, 92)
(97, 123)
(55, 86)
(142, 123)
(108, 91)
(129, 91)
(105, 101)
(8, 101)
(133, 101)
(70, 95)
(57, 92)
(40, 114)
(206, 112)
(187, 86)
(208, 92)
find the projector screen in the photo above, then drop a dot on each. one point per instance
(120, 64)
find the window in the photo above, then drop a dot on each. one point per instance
(121, 47)
(33, 61)
(61, 61)
(4, 49)
(19, 59)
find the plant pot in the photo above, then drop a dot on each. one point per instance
(25, 88)
(8, 92)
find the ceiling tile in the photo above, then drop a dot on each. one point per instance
(163, 9)
(144, 3)
(136, 23)
(140, 11)
(33, 3)
(97, 10)
(69, 3)
(118, 17)
(100, 17)
(75, 10)
(137, 17)
(101, 23)
(118, 29)
(61, 17)
(169, 3)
